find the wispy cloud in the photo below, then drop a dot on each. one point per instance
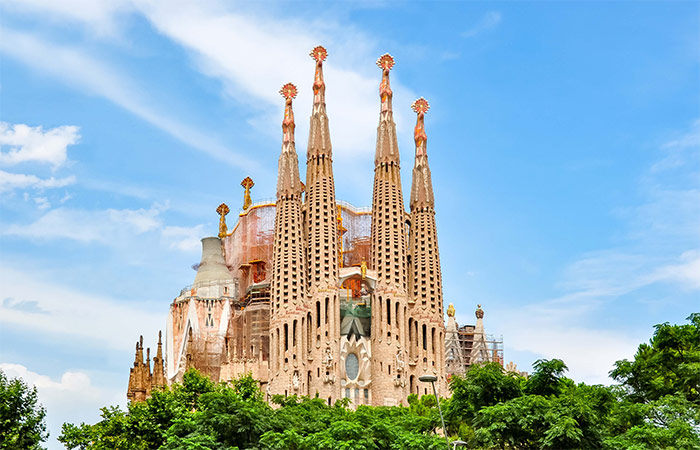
(10, 181)
(184, 238)
(67, 313)
(98, 226)
(661, 246)
(488, 21)
(108, 227)
(93, 76)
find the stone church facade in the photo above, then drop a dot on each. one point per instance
(314, 296)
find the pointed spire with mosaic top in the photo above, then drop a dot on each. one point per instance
(319, 135)
(288, 181)
(387, 147)
(322, 227)
(422, 197)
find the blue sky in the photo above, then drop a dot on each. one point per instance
(564, 140)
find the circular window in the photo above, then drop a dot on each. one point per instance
(352, 366)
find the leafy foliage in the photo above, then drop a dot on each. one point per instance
(22, 424)
(669, 364)
(655, 407)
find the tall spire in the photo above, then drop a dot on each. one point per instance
(386, 63)
(287, 287)
(387, 147)
(422, 186)
(288, 182)
(322, 240)
(319, 54)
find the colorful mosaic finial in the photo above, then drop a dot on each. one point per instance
(319, 54)
(247, 183)
(222, 210)
(420, 107)
(386, 63)
(288, 91)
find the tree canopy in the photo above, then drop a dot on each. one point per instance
(655, 406)
(22, 425)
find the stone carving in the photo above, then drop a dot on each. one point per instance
(295, 380)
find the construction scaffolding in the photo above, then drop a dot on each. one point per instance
(465, 346)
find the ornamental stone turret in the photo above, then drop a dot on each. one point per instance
(388, 255)
(425, 277)
(288, 305)
(322, 242)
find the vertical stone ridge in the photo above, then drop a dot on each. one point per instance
(287, 289)
(322, 242)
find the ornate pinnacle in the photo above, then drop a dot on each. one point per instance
(247, 183)
(420, 107)
(288, 91)
(319, 54)
(386, 63)
(222, 210)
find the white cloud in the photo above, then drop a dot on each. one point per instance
(73, 398)
(95, 77)
(10, 181)
(99, 15)
(486, 22)
(71, 314)
(101, 226)
(252, 64)
(42, 203)
(184, 238)
(33, 144)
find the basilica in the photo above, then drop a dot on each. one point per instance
(309, 294)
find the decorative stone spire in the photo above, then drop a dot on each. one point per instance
(386, 63)
(319, 54)
(322, 241)
(288, 283)
(247, 183)
(158, 366)
(422, 186)
(222, 210)
(387, 147)
(389, 335)
(288, 181)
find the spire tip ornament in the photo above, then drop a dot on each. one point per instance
(222, 210)
(385, 62)
(319, 53)
(288, 91)
(247, 183)
(420, 106)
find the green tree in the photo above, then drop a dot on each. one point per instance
(22, 425)
(669, 364)
(547, 377)
(670, 423)
(483, 385)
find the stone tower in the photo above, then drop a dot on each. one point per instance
(322, 321)
(288, 306)
(141, 380)
(427, 329)
(388, 257)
